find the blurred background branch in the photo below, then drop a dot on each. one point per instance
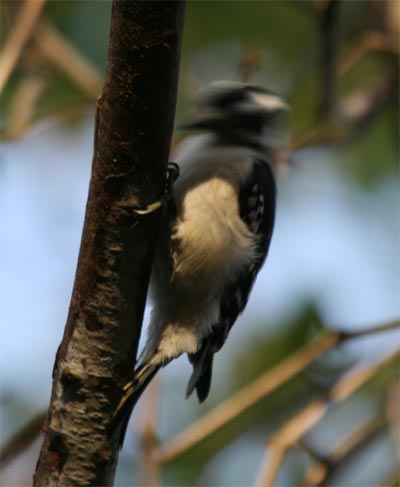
(334, 257)
(22, 439)
(295, 428)
(329, 54)
(259, 389)
(49, 46)
(69, 60)
(146, 429)
(245, 398)
(24, 25)
(321, 472)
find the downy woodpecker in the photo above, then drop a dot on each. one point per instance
(215, 240)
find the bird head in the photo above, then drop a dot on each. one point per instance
(241, 113)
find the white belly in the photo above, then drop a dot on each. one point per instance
(210, 243)
(213, 240)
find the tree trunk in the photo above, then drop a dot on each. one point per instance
(132, 139)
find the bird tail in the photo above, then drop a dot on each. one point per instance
(131, 394)
(202, 371)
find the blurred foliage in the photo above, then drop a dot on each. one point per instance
(268, 351)
(86, 24)
(286, 37)
(264, 416)
(268, 415)
(286, 34)
(375, 155)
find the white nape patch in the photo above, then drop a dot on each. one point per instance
(269, 101)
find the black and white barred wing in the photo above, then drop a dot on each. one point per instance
(257, 199)
(257, 209)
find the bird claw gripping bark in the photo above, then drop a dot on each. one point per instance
(172, 176)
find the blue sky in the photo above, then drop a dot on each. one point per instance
(334, 243)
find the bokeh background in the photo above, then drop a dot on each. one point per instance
(334, 259)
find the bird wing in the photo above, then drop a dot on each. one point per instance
(257, 198)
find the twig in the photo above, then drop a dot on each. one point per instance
(52, 45)
(267, 475)
(245, 398)
(22, 439)
(250, 63)
(322, 471)
(352, 443)
(303, 421)
(312, 451)
(370, 41)
(22, 106)
(70, 61)
(389, 326)
(359, 109)
(257, 390)
(25, 22)
(149, 471)
(329, 34)
(392, 406)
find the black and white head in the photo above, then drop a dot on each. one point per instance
(241, 113)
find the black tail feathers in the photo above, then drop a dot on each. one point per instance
(200, 380)
(202, 371)
(132, 392)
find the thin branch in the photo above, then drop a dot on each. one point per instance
(149, 470)
(389, 326)
(392, 406)
(302, 422)
(25, 22)
(49, 43)
(252, 393)
(22, 439)
(322, 471)
(312, 451)
(289, 435)
(276, 457)
(250, 63)
(359, 110)
(32, 429)
(22, 105)
(358, 438)
(247, 397)
(71, 62)
(359, 107)
(370, 41)
(329, 35)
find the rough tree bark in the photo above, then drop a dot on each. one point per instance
(132, 139)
